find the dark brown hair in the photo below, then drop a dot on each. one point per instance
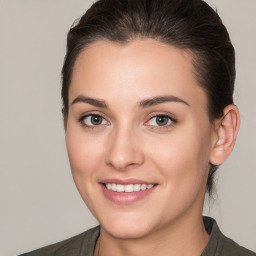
(186, 24)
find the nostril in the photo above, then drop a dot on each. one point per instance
(124, 152)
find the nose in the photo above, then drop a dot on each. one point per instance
(124, 150)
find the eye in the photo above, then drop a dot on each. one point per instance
(161, 120)
(93, 120)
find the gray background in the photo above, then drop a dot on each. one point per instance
(39, 202)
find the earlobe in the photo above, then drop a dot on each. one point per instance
(226, 129)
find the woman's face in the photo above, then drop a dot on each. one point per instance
(138, 122)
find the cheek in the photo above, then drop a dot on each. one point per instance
(183, 159)
(183, 163)
(84, 156)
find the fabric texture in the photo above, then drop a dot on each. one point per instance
(84, 244)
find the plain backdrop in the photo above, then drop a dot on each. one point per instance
(38, 199)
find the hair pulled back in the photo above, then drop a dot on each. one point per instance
(186, 24)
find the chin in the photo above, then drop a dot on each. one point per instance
(126, 228)
(126, 232)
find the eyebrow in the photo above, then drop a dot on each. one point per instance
(145, 103)
(161, 99)
(91, 101)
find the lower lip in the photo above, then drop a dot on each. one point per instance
(125, 198)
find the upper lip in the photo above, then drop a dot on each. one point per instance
(126, 181)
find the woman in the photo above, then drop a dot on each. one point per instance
(149, 116)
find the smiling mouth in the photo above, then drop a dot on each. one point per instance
(129, 188)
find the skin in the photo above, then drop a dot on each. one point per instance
(130, 144)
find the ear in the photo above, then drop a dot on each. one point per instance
(226, 130)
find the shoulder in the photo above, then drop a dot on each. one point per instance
(82, 244)
(220, 244)
(232, 248)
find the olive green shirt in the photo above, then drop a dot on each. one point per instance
(84, 244)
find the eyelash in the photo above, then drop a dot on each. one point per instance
(83, 124)
(171, 121)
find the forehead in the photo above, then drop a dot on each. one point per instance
(141, 67)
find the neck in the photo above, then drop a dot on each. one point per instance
(183, 237)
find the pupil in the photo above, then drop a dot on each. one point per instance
(96, 120)
(162, 120)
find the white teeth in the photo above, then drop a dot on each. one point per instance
(108, 186)
(136, 187)
(143, 187)
(119, 188)
(128, 188)
(113, 188)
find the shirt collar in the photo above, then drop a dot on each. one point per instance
(216, 237)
